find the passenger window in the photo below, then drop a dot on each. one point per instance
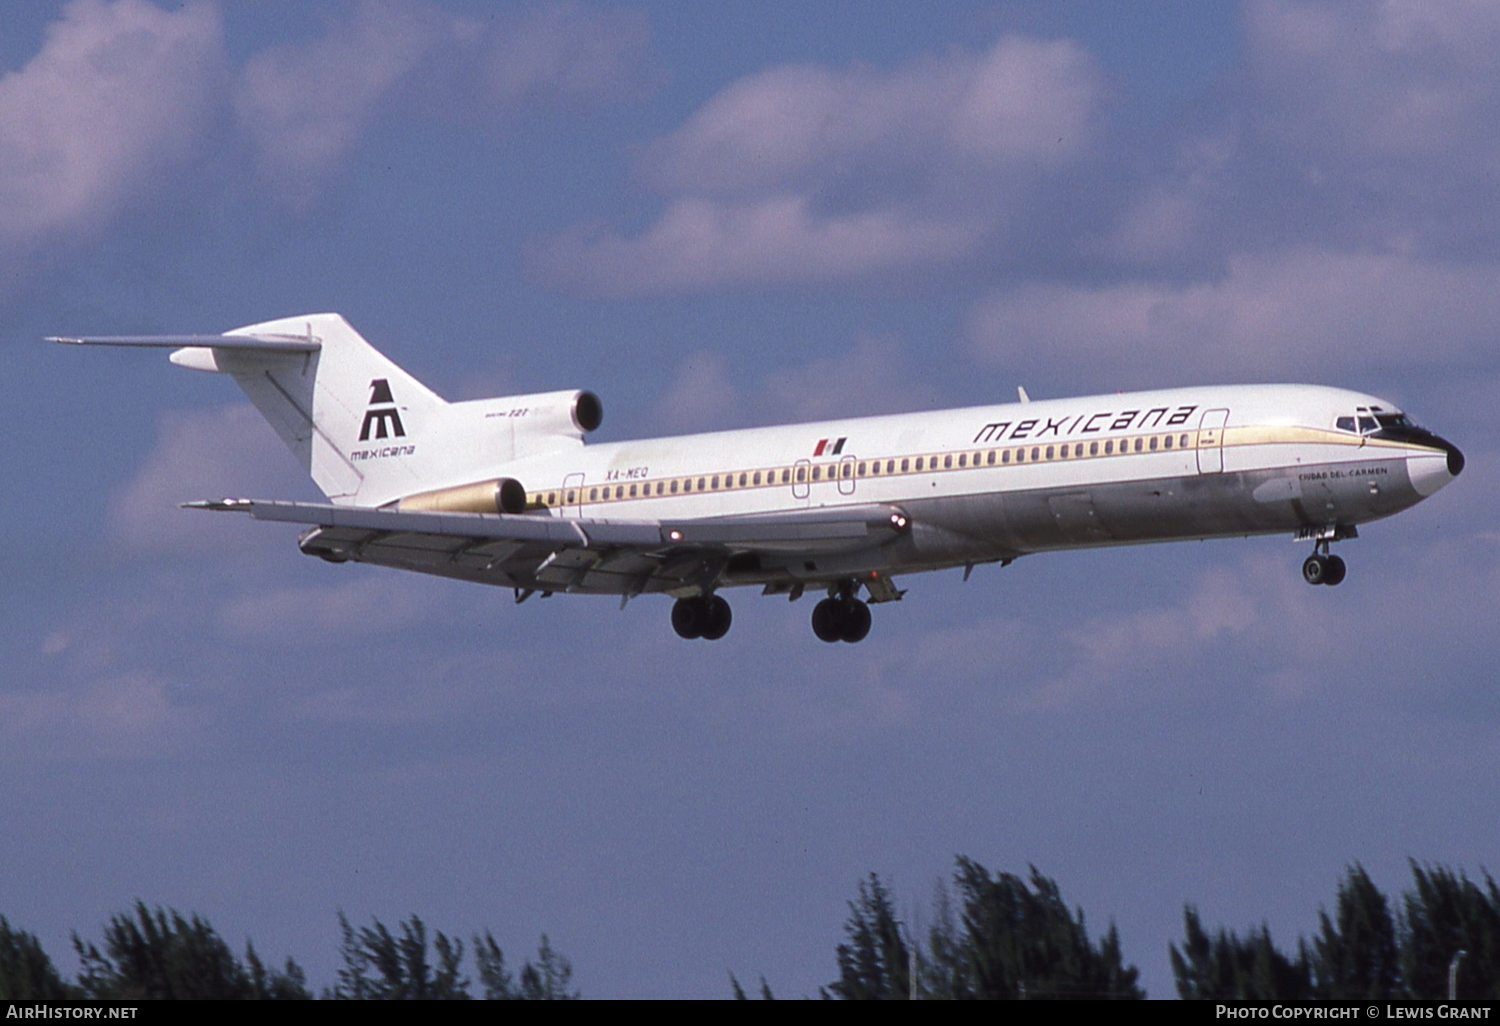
(1138, 444)
(700, 484)
(1093, 448)
(1005, 456)
(817, 473)
(552, 498)
(786, 475)
(801, 472)
(861, 470)
(742, 480)
(1109, 448)
(674, 487)
(716, 482)
(1153, 443)
(756, 479)
(991, 458)
(1168, 441)
(848, 470)
(1035, 453)
(593, 494)
(948, 462)
(1020, 455)
(961, 459)
(1182, 442)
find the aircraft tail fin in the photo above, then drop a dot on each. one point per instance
(365, 430)
(349, 414)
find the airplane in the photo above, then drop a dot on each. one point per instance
(504, 491)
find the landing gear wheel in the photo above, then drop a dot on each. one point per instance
(828, 619)
(689, 618)
(856, 621)
(716, 619)
(1315, 569)
(1336, 570)
(704, 616)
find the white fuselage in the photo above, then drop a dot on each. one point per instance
(996, 482)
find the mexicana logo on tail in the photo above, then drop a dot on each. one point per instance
(382, 413)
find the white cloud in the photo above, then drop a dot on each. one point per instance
(1284, 314)
(701, 243)
(305, 105)
(1399, 78)
(118, 92)
(204, 454)
(874, 377)
(382, 602)
(564, 53)
(121, 714)
(811, 174)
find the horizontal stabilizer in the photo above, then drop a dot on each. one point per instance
(276, 343)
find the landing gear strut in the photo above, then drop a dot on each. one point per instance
(842, 617)
(703, 616)
(1322, 567)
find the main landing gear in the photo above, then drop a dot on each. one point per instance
(703, 616)
(841, 617)
(1323, 568)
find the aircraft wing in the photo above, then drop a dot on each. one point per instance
(546, 553)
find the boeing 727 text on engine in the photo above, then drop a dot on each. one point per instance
(505, 491)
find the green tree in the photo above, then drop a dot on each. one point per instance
(158, 954)
(1225, 967)
(1355, 954)
(383, 966)
(1445, 913)
(549, 978)
(1021, 941)
(26, 973)
(874, 964)
(498, 984)
(1008, 938)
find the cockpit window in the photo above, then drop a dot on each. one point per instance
(1368, 419)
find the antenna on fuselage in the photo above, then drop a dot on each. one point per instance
(1021, 391)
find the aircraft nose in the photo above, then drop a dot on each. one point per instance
(1429, 471)
(1455, 458)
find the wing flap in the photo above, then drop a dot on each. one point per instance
(823, 529)
(559, 554)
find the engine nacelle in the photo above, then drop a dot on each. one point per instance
(573, 413)
(500, 495)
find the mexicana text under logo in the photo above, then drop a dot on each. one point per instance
(382, 414)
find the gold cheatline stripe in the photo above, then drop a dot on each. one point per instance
(1006, 456)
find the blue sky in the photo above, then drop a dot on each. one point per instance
(716, 219)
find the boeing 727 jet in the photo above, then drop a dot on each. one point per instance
(505, 491)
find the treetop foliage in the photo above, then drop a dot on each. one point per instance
(160, 954)
(1367, 948)
(1008, 938)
